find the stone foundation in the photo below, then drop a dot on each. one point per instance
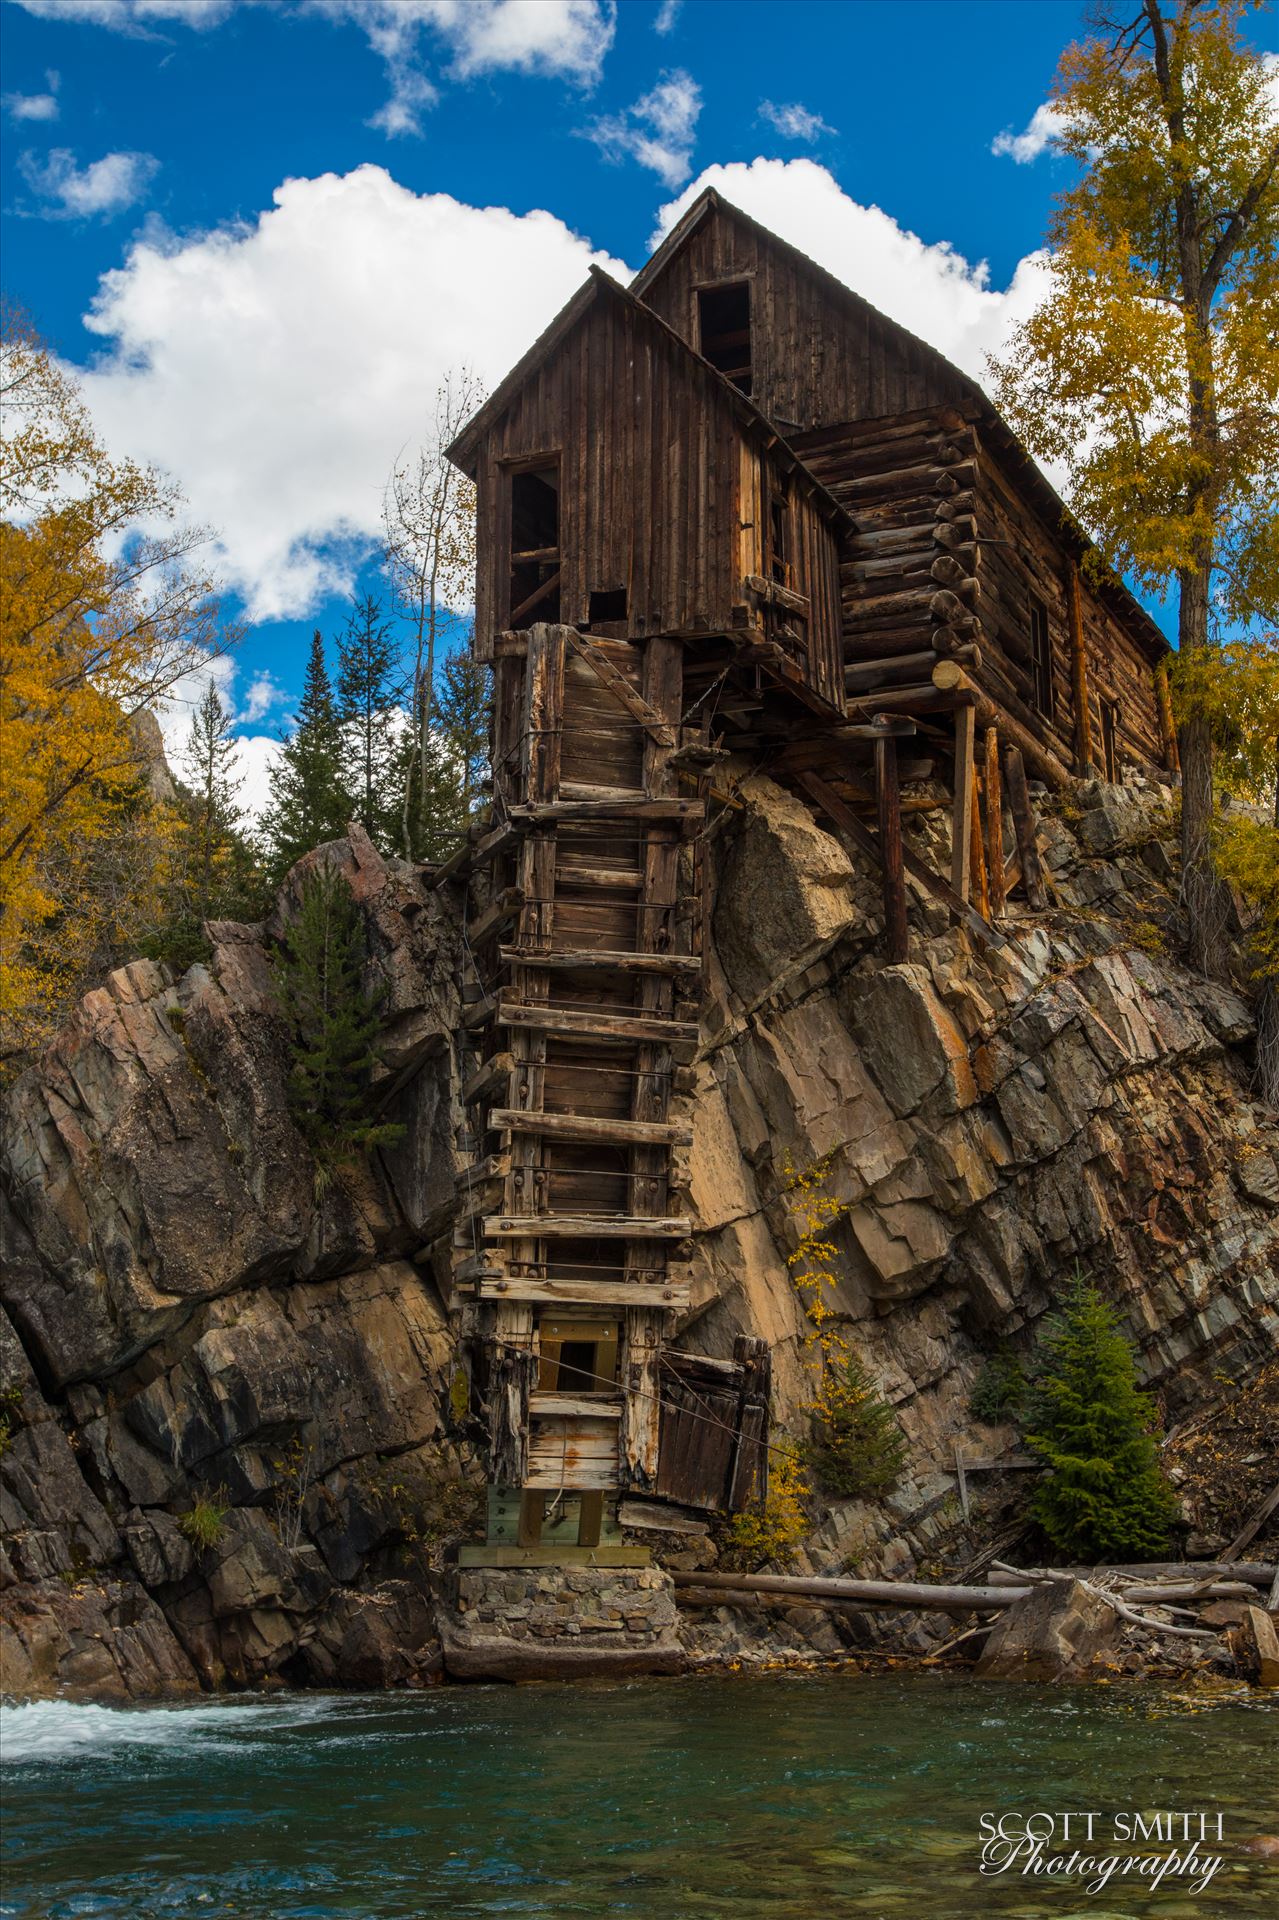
(546, 1622)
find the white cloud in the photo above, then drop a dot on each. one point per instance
(658, 130)
(567, 39)
(103, 188)
(1040, 136)
(277, 369)
(928, 287)
(132, 16)
(667, 15)
(794, 122)
(34, 106)
(261, 694)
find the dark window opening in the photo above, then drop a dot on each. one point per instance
(724, 330)
(535, 546)
(1110, 740)
(778, 557)
(607, 606)
(577, 1368)
(1041, 659)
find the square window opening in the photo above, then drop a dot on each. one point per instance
(606, 606)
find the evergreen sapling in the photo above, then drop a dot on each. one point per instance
(1105, 1496)
(335, 1022)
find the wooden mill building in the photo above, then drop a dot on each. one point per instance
(731, 506)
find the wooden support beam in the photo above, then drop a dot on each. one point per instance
(962, 809)
(1041, 760)
(1079, 671)
(589, 1226)
(590, 1127)
(776, 595)
(1025, 828)
(491, 1077)
(888, 799)
(995, 826)
(501, 909)
(844, 817)
(598, 1026)
(535, 598)
(602, 958)
(658, 730)
(977, 858)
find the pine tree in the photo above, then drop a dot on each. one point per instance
(320, 970)
(209, 765)
(1105, 1496)
(434, 807)
(309, 803)
(463, 712)
(368, 695)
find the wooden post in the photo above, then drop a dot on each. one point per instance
(961, 816)
(888, 794)
(995, 826)
(977, 858)
(1167, 726)
(1025, 829)
(1079, 672)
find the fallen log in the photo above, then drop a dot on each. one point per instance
(910, 1594)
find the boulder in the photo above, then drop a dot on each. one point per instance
(1061, 1631)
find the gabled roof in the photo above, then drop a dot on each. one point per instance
(1044, 495)
(601, 285)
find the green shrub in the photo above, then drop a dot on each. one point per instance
(1000, 1389)
(858, 1449)
(205, 1522)
(1105, 1496)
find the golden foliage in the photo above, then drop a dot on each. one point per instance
(767, 1534)
(100, 614)
(1151, 370)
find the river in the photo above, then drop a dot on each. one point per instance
(772, 1797)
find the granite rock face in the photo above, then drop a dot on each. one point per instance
(226, 1422)
(991, 1119)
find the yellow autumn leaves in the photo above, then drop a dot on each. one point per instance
(101, 612)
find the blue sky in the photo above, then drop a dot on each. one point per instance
(453, 165)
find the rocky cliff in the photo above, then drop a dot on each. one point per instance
(232, 1444)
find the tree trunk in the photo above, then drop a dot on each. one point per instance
(1202, 892)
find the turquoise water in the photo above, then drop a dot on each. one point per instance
(765, 1798)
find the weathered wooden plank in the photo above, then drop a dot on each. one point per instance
(601, 1226)
(583, 1293)
(600, 1026)
(1024, 827)
(1079, 671)
(486, 1080)
(603, 959)
(584, 1126)
(573, 1406)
